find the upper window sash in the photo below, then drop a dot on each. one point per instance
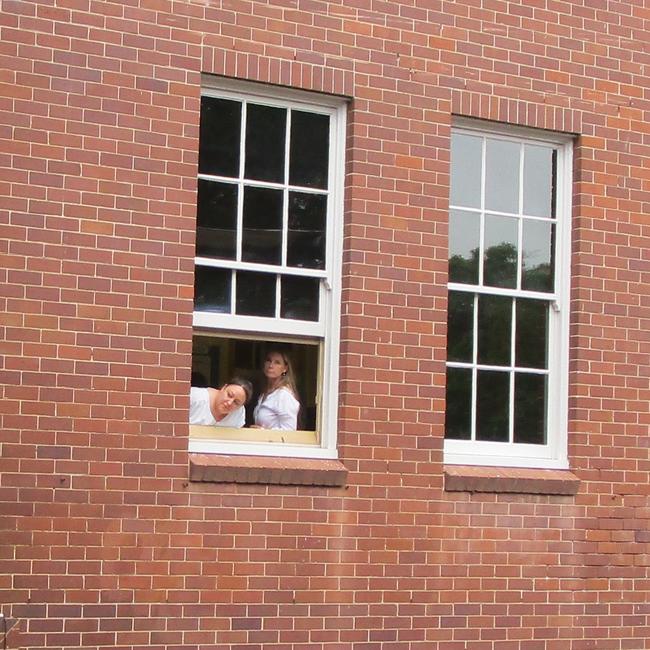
(280, 269)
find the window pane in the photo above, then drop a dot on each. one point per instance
(492, 399)
(255, 294)
(502, 176)
(219, 137)
(308, 160)
(265, 136)
(494, 327)
(460, 325)
(530, 408)
(262, 235)
(531, 346)
(500, 265)
(458, 414)
(299, 298)
(466, 153)
(537, 255)
(463, 247)
(306, 236)
(212, 289)
(538, 181)
(216, 233)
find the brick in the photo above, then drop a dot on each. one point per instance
(266, 470)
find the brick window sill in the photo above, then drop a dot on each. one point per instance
(269, 470)
(469, 478)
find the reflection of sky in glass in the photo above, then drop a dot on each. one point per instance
(536, 243)
(463, 233)
(538, 180)
(502, 176)
(500, 230)
(466, 170)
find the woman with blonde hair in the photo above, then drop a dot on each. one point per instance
(278, 405)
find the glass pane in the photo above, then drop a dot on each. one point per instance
(463, 247)
(308, 159)
(460, 325)
(537, 255)
(262, 233)
(216, 233)
(219, 138)
(500, 265)
(494, 328)
(492, 399)
(212, 289)
(530, 408)
(299, 298)
(255, 294)
(531, 345)
(265, 136)
(306, 236)
(458, 414)
(502, 176)
(466, 153)
(538, 181)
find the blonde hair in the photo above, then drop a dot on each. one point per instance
(288, 379)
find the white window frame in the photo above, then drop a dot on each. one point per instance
(326, 331)
(554, 453)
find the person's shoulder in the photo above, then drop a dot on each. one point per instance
(285, 394)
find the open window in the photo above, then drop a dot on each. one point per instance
(268, 255)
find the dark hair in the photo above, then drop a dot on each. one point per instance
(244, 384)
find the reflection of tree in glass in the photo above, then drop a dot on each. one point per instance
(494, 327)
(538, 278)
(500, 265)
(464, 269)
(460, 322)
(530, 409)
(492, 400)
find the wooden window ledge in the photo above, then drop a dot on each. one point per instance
(270, 470)
(470, 478)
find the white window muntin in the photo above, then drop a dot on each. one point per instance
(326, 330)
(554, 452)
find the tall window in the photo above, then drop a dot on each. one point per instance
(507, 346)
(268, 253)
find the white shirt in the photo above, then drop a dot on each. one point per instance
(277, 410)
(200, 412)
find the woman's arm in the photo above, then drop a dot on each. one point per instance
(286, 411)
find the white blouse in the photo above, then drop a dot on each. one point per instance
(200, 412)
(277, 410)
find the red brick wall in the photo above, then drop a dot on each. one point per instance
(104, 543)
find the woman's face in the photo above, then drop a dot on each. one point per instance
(274, 365)
(229, 398)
